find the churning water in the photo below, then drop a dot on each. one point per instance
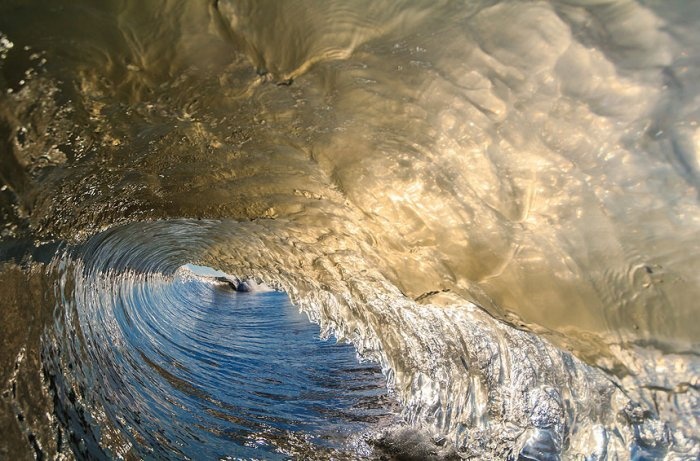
(495, 202)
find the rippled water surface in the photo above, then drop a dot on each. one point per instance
(495, 202)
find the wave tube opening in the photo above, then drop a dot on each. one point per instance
(180, 364)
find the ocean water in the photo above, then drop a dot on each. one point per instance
(181, 366)
(492, 207)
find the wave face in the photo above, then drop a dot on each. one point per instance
(496, 202)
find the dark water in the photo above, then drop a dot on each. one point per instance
(495, 202)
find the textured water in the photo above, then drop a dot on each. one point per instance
(495, 202)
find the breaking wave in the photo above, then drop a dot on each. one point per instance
(496, 203)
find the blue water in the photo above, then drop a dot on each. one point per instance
(192, 369)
